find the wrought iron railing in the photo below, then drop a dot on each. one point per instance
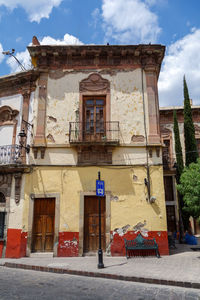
(9, 154)
(94, 132)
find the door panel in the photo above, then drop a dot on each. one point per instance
(91, 224)
(43, 225)
(171, 218)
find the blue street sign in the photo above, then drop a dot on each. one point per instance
(100, 188)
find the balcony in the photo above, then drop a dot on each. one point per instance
(94, 133)
(9, 154)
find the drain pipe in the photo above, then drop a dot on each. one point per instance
(147, 179)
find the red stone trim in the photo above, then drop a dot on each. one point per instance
(25, 114)
(166, 116)
(153, 108)
(39, 140)
(8, 115)
(94, 83)
(95, 57)
(15, 84)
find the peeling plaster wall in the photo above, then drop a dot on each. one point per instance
(63, 107)
(57, 156)
(133, 156)
(126, 104)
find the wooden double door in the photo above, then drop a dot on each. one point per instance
(43, 225)
(91, 224)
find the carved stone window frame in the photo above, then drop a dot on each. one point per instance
(11, 119)
(94, 85)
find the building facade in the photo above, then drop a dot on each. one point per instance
(16, 96)
(169, 159)
(95, 109)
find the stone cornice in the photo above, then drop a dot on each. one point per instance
(94, 56)
(19, 83)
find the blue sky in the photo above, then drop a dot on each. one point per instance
(174, 23)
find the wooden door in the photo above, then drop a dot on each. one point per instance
(171, 218)
(43, 225)
(91, 224)
(94, 118)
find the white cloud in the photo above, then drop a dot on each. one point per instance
(1, 55)
(95, 17)
(67, 40)
(183, 57)
(130, 21)
(36, 9)
(24, 56)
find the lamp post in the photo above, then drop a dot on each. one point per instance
(23, 136)
(17, 60)
(100, 193)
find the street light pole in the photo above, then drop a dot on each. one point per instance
(100, 252)
(17, 60)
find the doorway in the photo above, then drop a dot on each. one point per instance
(91, 224)
(43, 225)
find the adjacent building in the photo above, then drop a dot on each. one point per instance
(169, 159)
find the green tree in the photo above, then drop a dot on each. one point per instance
(178, 149)
(183, 220)
(189, 187)
(191, 153)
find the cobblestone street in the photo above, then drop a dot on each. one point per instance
(26, 284)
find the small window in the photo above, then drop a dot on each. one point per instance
(2, 198)
(2, 224)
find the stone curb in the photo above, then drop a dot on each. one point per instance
(185, 284)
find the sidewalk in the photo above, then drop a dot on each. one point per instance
(181, 268)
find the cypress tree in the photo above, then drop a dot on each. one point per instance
(179, 170)
(191, 153)
(178, 149)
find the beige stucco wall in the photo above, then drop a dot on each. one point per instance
(15, 218)
(125, 185)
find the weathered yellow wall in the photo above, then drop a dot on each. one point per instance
(126, 186)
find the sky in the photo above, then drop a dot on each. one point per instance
(173, 23)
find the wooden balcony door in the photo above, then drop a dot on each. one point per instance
(94, 118)
(43, 225)
(91, 224)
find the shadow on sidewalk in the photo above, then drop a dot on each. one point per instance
(181, 248)
(116, 265)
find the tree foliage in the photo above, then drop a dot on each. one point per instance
(191, 153)
(189, 187)
(178, 149)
